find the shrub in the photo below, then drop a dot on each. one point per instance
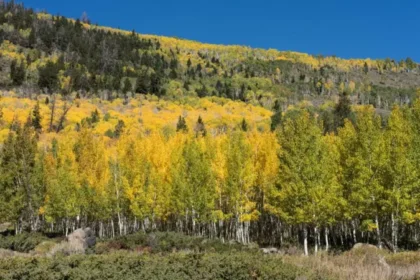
(239, 265)
(24, 242)
(167, 242)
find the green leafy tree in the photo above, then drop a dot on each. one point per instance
(363, 161)
(308, 191)
(400, 177)
(21, 194)
(193, 185)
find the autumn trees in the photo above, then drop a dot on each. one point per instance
(55, 54)
(297, 183)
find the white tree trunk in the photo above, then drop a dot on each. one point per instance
(327, 244)
(305, 240)
(378, 232)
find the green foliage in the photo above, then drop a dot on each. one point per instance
(200, 128)
(342, 111)
(17, 73)
(48, 76)
(21, 193)
(181, 125)
(24, 242)
(165, 242)
(135, 266)
(36, 118)
(276, 117)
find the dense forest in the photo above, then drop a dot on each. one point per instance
(125, 132)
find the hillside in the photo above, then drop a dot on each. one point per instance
(123, 132)
(107, 63)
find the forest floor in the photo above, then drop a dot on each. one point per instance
(176, 256)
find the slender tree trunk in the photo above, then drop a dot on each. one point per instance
(327, 245)
(394, 227)
(52, 113)
(353, 225)
(378, 232)
(305, 240)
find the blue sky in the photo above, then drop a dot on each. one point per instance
(349, 29)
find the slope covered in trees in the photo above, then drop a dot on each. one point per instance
(48, 53)
(125, 132)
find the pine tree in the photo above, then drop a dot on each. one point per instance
(128, 87)
(200, 129)
(48, 76)
(276, 117)
(36, 118)
(244, 125)
(119, 129)
(366, 68)
(17, 73)
(32, 38)
(95, 117)
(342, 110)
(202, 92)
(181, 125)
(143, 84)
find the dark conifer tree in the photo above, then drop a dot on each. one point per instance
(277, 116)
(36, 118)
(342, 110)
(200, 128)
(181, 125)
(244, 125)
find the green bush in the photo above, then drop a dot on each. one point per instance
(239, 265)
(165, 242)
(24, 242)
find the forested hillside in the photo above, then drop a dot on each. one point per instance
(125, 132)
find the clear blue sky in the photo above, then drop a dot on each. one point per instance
(346, 28)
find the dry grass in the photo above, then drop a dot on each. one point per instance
(363, 264)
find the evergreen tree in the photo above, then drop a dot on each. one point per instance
(143, 83)
(32, 38)
(48, 76)
(128, 87)
(244, 125)
(36, 118)
(366, 68)
(181, 125)
(155, 84)
(17, 73)
(200, 129)
(276, 117)
(95, 117)
(342, 110)
(202, 92)
(119, 129)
